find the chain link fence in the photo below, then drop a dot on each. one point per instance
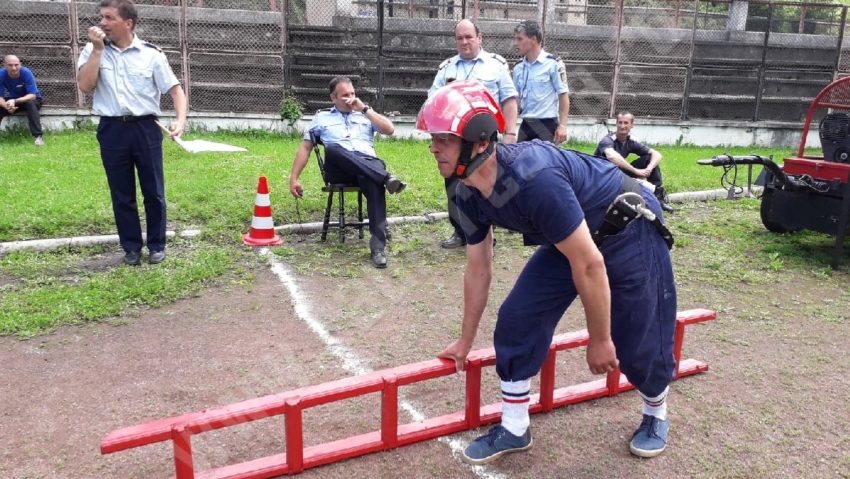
(675, 59)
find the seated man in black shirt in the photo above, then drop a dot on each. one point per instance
(617, 146)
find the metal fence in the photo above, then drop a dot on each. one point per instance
(731, 59)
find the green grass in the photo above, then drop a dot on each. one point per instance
(69, 287)
(720, 246)
(736, 251)
(60, 190)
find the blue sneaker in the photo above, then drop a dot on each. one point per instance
(650, 439)
(496, 443)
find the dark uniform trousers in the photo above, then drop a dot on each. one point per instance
(541, 128)
(369, 173)
(31, 108)
(643, 307)
(642, 162)
(127, 147)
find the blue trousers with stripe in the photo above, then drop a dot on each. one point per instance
(127, 148)
(643, 307)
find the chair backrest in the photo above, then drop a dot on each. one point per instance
(317, 142)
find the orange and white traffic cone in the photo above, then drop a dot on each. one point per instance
(262, 225)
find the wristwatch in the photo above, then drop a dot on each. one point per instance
(365, 109)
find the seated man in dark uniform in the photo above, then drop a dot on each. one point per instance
(348, 130)
(617, 146)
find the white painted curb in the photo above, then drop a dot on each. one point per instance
(298, 228)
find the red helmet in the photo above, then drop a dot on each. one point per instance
(462, 108)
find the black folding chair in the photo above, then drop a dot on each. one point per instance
(340, 189)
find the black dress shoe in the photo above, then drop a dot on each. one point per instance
(133, 258)
(156, 257)
(661, 195)
(455, 241)
(379, 259)
(394, 185)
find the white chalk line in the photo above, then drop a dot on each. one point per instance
(350, 361)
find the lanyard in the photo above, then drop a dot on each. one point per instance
(474, 63)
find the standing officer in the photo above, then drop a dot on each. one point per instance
(473, 63)
(348, 132)
(541, 80)
(586, 215)
(128, 76)
(22, 94)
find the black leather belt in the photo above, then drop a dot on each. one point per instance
(129, 118)
(623, 211)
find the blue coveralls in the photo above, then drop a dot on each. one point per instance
(544, 192)
(127, 98)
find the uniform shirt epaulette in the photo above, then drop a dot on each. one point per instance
(499, 57)
(322, 110)
(151, 45)
(553, 57)
(445, 63)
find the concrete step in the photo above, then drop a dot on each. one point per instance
(327, 77)
(237, 86)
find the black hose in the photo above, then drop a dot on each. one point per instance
(773, 168)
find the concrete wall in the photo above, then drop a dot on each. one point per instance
(587, 130)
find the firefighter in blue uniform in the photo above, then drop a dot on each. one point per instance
(473, 63)
(541, 81)
(128, 77)
(564, 201)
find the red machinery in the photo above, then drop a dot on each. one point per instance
(298, 457)
(810, 192)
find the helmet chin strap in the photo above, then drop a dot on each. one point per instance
(466, 165)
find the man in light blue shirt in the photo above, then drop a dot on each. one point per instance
(20, 93)
(128, 77)
(348, 132)
(473, 63)
(541, 80)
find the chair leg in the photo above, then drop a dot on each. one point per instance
(341, 216)
(327, 215)
(360, 212)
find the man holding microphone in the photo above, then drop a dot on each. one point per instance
(128, 77)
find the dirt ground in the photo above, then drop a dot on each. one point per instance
(773, 404)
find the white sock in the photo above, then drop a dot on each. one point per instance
(515, 399)
(656, 406)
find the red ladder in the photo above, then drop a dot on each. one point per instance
(291, 404)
